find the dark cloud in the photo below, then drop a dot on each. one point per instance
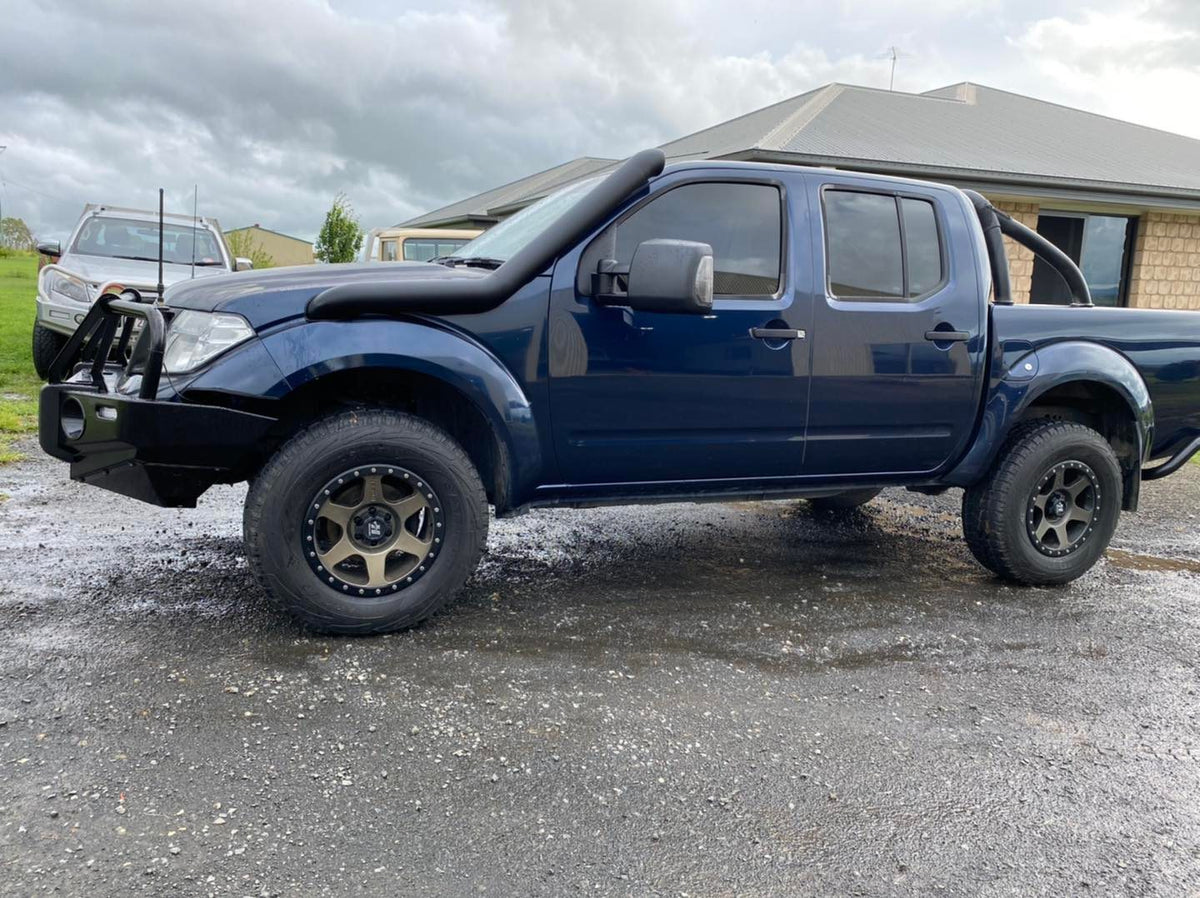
(274, 106)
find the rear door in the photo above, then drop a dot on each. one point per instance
(899, 324)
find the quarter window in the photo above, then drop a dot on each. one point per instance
(741, 222)
(881, 246)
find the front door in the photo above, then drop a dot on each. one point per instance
(899, 340)
(642, 396)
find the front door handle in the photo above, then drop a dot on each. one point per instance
(776, 333)
(947, 336)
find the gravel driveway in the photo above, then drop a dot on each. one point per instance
(673, 700)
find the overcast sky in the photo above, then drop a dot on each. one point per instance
(274, 106)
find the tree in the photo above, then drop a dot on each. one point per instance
(341, 234)
(15, 234)
(243, 245)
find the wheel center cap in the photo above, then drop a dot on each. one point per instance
(1056, 508)
(372, 526)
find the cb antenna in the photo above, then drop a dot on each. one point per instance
(195, 223)
(160, 244)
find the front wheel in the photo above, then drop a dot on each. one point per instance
(366, 522)
(46, 345)
(1047, 510)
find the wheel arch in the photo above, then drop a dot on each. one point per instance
(1078, 381)
(433, 373)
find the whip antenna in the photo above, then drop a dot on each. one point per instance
(160, 244)
(195, 223)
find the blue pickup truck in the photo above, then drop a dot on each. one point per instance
(699, 331)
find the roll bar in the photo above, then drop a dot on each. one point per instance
(994, 223)
(465, 296)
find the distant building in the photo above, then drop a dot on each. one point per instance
(1120, 199)
(283, 249)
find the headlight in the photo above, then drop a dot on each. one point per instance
(66, 286)
(196, 338)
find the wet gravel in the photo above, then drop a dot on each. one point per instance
(671, 700)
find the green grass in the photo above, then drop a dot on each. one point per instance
(18, 383)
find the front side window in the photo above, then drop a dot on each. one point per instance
(880, 246)
(741, 222)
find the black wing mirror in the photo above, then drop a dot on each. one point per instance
(663, 276)
(50, 248)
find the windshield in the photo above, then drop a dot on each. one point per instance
(506, 239)
(122, 238)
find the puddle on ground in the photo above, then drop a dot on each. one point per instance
(1136, 562)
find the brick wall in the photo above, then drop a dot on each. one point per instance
(1020, 259)
(1166, 262)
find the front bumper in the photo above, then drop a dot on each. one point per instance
(159, 450)
(63, 316)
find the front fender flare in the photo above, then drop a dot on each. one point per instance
(316, 349)
(1052, 366)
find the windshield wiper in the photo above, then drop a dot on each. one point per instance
(136, 258)
(470, 261)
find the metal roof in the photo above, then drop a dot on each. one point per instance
(963, 133)
(486, 207)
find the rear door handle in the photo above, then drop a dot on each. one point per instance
(948, 336)
(776, 333)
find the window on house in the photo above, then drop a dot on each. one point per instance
(741, 222)
(1102, 247)
(881, 246)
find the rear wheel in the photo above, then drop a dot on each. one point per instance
(1047, 510)
(46, 345)
(845, 501)
(366, 522)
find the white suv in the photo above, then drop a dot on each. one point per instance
(119, 246)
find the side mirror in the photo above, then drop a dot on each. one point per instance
(50, 248)
(241, 263)
(667, 276)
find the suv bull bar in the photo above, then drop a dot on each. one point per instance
(163, 451)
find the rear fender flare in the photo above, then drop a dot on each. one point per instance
(317, 349)
(1053, 366)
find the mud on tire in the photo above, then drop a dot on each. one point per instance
(278, 521)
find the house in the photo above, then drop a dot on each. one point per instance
(1121, 199)
(282, 248)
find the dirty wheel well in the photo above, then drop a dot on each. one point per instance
(1099, 407)
(417, 394)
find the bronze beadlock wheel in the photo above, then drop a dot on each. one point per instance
(1062, 511)
(373, 529)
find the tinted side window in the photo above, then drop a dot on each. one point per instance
(881, 246)
(863, 234)
(923, 251)
(741, 222)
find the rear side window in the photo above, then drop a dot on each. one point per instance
(881, 246)
(742, 222)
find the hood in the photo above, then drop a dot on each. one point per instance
(275, 294)
(100, 270)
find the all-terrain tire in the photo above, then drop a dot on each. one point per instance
(277, 507)
(46, 345)
(846, 501)
(997, 511)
